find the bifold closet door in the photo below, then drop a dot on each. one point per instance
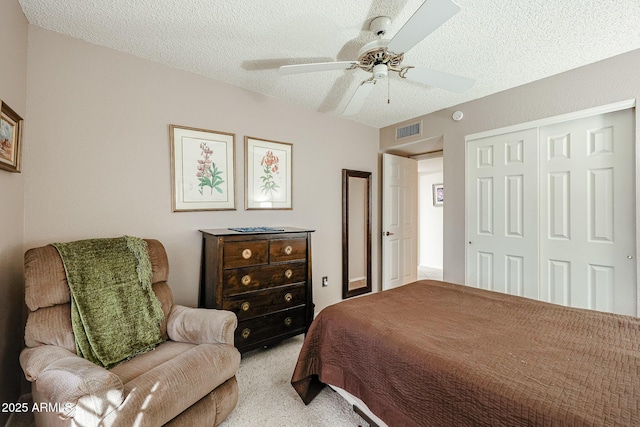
(587, 213)
(502, 223)
(551, 213)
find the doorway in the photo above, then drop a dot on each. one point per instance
(412, 247)
(431, 218)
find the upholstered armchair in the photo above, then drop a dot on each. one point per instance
(189, 379)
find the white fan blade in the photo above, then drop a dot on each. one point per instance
(439, 79)
(428, 17)
(358, 98)
(312, 68)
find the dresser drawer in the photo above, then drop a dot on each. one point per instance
(257, 303)
(245, 253)
(258, 329)
(288, 250)
(269, 276)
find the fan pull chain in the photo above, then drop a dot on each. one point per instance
(388, 90)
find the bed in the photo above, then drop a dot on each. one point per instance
(433, 353)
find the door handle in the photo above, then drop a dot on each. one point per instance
(388, 233)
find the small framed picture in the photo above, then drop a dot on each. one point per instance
(10, 139)
(438, 194)
(202, 169)
(267, 174)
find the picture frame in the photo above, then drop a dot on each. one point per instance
(10, 139)
(202, 169)
(438, 194)
(268, 172)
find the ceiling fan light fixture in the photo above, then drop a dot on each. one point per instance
(380, 71)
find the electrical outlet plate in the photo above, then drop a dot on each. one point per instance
(325, 281)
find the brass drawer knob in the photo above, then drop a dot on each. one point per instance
(288, 250)
(246, 279)
(288, 273)
(287, 321)
(288, 297)
(246, 254)
(245, 306)
(245, 333)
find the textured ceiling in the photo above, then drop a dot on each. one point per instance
(500, 43)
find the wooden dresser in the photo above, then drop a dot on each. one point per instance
(263, 277)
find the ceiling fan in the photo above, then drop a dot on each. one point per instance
(382, 56)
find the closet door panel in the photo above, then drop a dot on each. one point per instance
(587, 213)
(502, 221)
(551, 213)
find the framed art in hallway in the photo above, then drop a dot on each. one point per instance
(267, 174)
(438, 194)
(202, 169)
(10, 138)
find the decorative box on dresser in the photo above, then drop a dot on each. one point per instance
(263, 277)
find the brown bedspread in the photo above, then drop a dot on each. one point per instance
(437, 354)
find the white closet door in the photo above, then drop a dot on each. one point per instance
(502, 203)
(587, 213)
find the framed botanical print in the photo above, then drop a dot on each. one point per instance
(267, 174)
(10, 139)
(202, 169)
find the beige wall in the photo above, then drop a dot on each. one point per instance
(431, 219)
(609, 81)
(97, 158)
(13, 88)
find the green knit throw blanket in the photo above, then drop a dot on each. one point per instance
(115, 314)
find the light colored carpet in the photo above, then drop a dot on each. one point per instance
(266, 397)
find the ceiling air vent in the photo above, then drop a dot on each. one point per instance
(407, 131)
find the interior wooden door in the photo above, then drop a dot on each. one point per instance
(399, 221)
